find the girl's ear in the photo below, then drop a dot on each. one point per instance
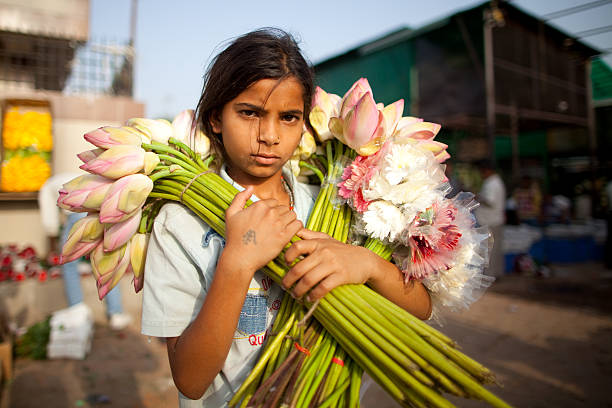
(215, 122)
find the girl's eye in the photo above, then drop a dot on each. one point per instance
(290, 118)
(248, 113)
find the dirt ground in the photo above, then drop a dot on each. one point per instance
(549, 340)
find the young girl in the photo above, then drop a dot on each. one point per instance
(205, 294)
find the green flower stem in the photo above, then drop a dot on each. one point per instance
(314, 169)
(335, 213)
(174, 160)
(315, 372)
(170, 151)
(248, 394)
(376, 332)
(319, 207)
(330, 157)
(190, 152)
(440, 361)
(389, 365)
(281, 316)
(264, 358)
(354, 387)
(399, 339)
(347, 225)
(358, 354)
(334, 373)
(397, 313)
(332, 399)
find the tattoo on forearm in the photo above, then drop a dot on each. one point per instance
(249, 237)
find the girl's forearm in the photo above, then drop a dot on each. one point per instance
(197, 356)
(389, 282)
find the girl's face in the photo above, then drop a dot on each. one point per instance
(261, 128)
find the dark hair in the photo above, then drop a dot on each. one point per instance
(266, 53)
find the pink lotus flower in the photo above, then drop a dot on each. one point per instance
(84, 193)
(117, 161)
(109, 267)
(362, 124)
(423, 133)
(109, 136)
(83, 237)
(353, 95)
(89, 155)
(125, 197)
(183, 126)
(324, 107)
(116, 235)
(185, 129)
(138, 253)
(158, 130)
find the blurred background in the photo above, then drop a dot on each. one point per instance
(523, 85)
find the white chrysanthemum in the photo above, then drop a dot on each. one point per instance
(383, 220)
(417, 192)
(402, 161)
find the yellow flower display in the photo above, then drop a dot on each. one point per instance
(24, 173)
(29, 129)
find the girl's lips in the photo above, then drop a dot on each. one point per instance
(265, 159)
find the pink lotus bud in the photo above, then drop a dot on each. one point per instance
(324, 107)
(89, 155)
(406, 121)
(353, 95)
(159, 130)
(442, 156)
(116, 235)
(138, 253)
(83, 237)
(117, 161)
(109, 267)
(438, 149)
(84, 193)
(183, 126)
(418, 130)
(109, 136)
(125, 196)
(201, 144)
(393, 114)
(364, 126)
(151, 160)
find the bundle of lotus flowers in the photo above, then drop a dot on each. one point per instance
(306, 362)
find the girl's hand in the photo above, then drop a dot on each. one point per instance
(327, 263)
(257, 234)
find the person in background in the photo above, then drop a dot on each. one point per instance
(491, 213)
(528, 198)
(51, 218)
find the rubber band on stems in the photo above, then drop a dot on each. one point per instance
(191, 182)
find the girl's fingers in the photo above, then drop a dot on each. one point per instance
(239, 201)
(313, 276)
(325, 286)
(299, 270)
(299, 248)
(293, 227)
(309, 234)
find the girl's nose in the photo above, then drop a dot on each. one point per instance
(268, 133)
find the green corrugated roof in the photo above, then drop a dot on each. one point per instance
(601, 80)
